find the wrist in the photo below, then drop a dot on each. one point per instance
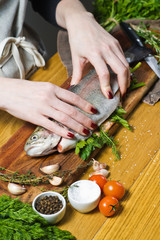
(4, 87)
(70, 11)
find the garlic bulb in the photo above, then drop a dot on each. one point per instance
(50, 168)
(56, 181)
(103, 172)
(16, 189)
(102, 165)
(96, 165)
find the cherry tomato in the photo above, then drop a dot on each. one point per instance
(108, 206)
(99, 179)
(114, 189)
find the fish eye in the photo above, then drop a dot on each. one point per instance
(34, 137)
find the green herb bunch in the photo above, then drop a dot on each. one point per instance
(118, 117)
(150, 37)
(85, 147)
(18, 221)
(134, 83)
(111, 12)
(29, 178)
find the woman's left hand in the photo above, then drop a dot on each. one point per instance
(90, 42)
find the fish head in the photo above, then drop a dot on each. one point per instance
(41, 142)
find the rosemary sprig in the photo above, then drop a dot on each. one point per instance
(151, 37)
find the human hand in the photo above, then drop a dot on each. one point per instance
(90, 42)
(38, 102)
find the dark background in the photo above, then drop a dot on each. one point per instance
(47, 32)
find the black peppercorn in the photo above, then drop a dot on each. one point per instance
(49, 205)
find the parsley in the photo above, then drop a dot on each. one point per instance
(86, 147)
(118, 117)
(18, 221)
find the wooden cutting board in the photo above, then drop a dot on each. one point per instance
(13, 157)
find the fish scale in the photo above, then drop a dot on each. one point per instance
(89, 89)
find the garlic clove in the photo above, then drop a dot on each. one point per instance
(16, 189)
(56, 181)
(50, 168)
(96, 165)
(102, 165)
(103, 172)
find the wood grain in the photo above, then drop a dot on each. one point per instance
(13, 157)
(140, 209)
(138, 149)
(138, 168)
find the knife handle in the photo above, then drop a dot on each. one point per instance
(131, 34)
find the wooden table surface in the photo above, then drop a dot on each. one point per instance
(138, 170)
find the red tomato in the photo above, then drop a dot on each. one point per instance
(108, 206)
(99, 179)
(114, 189)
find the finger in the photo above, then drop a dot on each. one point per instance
(104, 76)
(54, 127)
(120, 69)
(67, 121)
(120, 54)
(74, 114)
(78, 66)
(117, 50)
(74, 99)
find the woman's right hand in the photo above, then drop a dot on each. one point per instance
(38, 102)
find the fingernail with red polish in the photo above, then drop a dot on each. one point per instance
(124, 96)
(69, 86)
(110, 95)
(86, 131)
(71, 135)
(94, 125)
(94, 110)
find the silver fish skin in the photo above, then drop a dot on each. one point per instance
(89, 89)
(41, 142)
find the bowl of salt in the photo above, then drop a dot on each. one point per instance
(84, 195)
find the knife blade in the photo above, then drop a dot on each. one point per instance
(150, 59)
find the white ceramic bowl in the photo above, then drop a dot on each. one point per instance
(55, 217)
(84, 195)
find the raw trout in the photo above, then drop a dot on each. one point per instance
(43, 142)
